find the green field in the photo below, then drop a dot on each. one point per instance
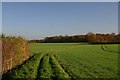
(70, 60)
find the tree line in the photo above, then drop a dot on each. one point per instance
(89, 37)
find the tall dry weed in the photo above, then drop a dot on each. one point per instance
(14, 51)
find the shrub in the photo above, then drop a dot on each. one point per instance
(14, 51)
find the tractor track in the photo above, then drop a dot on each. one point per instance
(48, 67)
(65, 68)
(105, 48)
(53, 70)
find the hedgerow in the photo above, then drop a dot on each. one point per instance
(14, 51)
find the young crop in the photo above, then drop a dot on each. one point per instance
(70, 60)
(27, 70)
(57, 69)
(45, 70)
(81, 60)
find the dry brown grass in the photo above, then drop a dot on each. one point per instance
(14, 51)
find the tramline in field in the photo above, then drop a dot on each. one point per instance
(70, 60)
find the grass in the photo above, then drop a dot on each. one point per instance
(70, 60)
(58, 71)
(83, 60)
(45, 68)
(50, 68)
(27, 70)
